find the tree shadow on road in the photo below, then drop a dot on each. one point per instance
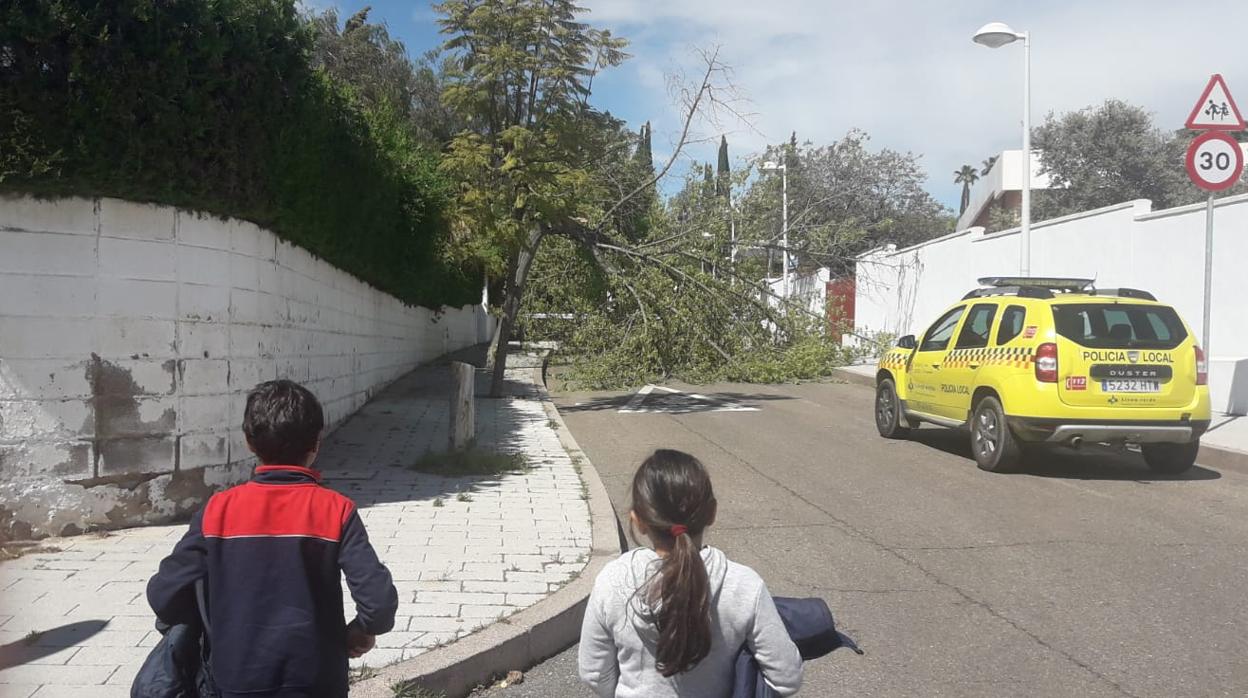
(1088, 463)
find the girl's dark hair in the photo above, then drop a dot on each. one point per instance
(672, 489)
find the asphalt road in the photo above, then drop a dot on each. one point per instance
(1081, 575)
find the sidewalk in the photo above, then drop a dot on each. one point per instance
(1226, 442)
(464, 551)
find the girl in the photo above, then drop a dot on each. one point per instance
(669, 621)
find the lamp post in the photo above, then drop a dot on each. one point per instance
(996, 35)
(783, 168)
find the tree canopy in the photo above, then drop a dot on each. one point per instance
(844, 199)
(1108, 154)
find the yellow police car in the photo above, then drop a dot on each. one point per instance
(1027, 361)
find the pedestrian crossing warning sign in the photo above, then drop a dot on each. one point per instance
(1215, 110)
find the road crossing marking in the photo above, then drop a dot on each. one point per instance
(637, 404)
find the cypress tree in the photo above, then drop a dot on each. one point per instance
(643, 156)
(722, 185)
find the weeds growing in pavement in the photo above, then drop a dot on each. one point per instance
(12, 551)
(463, 497)
(471, 462)
(362, 673)
(408, 690)
(438, 502)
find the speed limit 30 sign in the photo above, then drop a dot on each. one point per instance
(1214, 161)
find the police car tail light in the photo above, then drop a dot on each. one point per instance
(1046, 363)
(1202, 367)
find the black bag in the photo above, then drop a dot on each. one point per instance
(178, 666)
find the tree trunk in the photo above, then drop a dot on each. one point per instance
(517, 276)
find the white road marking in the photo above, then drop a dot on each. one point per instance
(636, 404)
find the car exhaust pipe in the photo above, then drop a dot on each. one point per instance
(1076, 442)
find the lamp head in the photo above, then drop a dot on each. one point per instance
(996, 35)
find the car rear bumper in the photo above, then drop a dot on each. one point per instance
(1074, 431)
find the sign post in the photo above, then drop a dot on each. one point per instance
(1214, 162)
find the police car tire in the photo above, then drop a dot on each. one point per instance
(1170, 459)
(1008, 452)
(892, 427)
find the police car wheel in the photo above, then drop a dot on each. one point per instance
(1170, 459)
(992, 443)
(888, 411)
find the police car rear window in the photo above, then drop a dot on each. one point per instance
(1119, 326)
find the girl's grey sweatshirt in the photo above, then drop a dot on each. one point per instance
(618, 643)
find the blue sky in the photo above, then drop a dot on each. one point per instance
(906, 72)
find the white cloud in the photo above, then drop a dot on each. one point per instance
(908, 73)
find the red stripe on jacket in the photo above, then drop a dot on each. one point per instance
(288, 510)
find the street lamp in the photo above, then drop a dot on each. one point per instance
(996, 35)
(783, 168)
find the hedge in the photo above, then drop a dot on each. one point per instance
(212, 105)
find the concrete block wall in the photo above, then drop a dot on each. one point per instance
(130, 333)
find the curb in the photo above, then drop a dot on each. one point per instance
(1212, 456)
(531, 635)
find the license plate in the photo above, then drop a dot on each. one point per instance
(1130, 386)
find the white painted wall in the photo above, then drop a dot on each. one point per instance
(130, 333)
(809, 289)
(902, 291)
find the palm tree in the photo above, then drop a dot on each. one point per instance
(988, 165)
(966, 177)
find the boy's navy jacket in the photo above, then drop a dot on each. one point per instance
(810, 625)
(271, 551)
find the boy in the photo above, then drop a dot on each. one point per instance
(270, 552)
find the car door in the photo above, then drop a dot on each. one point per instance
(957, 377)
(927, 363)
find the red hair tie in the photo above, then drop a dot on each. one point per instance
(679, 530)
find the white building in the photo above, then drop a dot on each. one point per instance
(1003, 186)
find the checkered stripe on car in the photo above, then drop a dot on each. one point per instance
(894, 360)
(1015, 357)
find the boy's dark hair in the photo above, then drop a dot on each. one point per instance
(672, 496)
(283, 422)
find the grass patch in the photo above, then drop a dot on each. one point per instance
(471, 462)
(439, 502)
(463, 497)
(362, 673)
(407, 690)
(12, 551)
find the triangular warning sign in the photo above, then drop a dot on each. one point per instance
(1215, 110)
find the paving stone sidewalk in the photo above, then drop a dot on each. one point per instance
(464, 551)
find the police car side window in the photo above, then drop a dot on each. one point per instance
(978, 326)
(1011, 324)
(937, 338)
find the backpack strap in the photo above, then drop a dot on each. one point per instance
(201, 601)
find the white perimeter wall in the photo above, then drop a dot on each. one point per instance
(902, 291)
(129, 335)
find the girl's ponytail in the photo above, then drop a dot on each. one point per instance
(672, 496)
